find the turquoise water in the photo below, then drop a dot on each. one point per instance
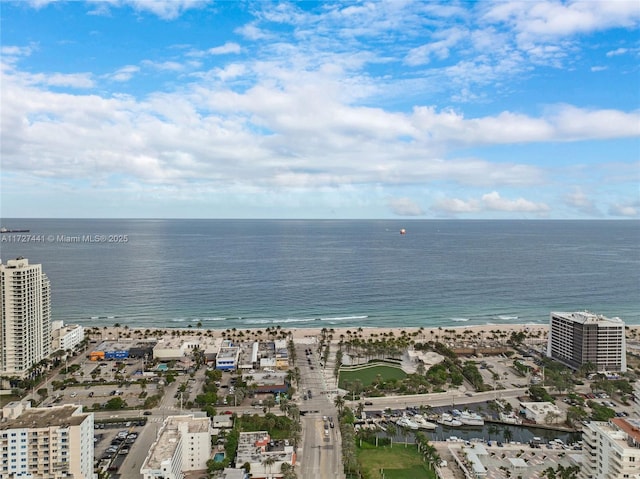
(218, 457)
(261, 273)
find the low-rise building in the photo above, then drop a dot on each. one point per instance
(281, 354)
(110, 350)
(173, 349)
(183, 444)
(228, 356)
(223, 421)
(46, 443)
(543, 412)
(65, 337)
(270, 382)
(264, 456)
(229, 473)
(612, 449)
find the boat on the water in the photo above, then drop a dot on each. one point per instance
(423, 423)
(510, 418)
(6, 230)
(468, 418)
(404, 421)
(447, 419)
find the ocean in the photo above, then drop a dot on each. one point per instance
(311, 273)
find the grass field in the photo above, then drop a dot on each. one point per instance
(397, 462)
(369, 374)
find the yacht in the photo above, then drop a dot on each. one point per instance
(510, 418)
(404, 421)
(423, 423)
(469, 418)
(447, 419)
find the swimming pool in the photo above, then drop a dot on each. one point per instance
(219, 456)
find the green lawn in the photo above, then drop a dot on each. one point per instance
(369, 374)
(397, 462)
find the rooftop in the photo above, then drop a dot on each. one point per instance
(631, 427)
(227, 352)
(38, 418)
(169, 437)
(585, 317)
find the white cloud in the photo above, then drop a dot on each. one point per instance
(405, 207)
(627, 210)
(12, 50)
(494, 202)
(598, 68)
(229, 47)
(552, 18)
(252, 32)
(165, 9)
(440, 47)
(617, 52)
(490, 202)
(579, 200)
(164, 66)
(124, 74)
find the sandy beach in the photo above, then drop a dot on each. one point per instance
(458, 334)
(477, 332)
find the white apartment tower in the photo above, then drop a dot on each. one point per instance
(46, 443)
(611, 450)
(579, 338)
(25, 316)
(183, 444)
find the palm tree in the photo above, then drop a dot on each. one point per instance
(507, 435)
(339, 404)
(269, 462)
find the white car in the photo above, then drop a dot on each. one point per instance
(74, 395)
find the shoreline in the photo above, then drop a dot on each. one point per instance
(470, 333)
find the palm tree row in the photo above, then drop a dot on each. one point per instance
(429, 452)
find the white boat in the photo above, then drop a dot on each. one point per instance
(423, 423)
(404, 421)
(447, 419)
(510, 418)
(469, 418)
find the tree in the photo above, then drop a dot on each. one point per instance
(115, 403)
(507, 435)
(339, 404)
(287, 471)
(269, 462)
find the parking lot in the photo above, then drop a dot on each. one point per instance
(112, 443)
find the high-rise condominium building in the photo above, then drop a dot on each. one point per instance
(579, 338)
(611, 450)
(25, 316)
(46, 443)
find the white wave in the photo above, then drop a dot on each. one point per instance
(259, 321)
(507, 318)
(95, 317)
(178, 320)
(459, 319)
(295, 320)
(343, 318)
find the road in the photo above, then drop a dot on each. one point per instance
(321, 455)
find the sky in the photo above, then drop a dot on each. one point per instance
(338, 110)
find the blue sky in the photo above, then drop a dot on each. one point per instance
(399, 109)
